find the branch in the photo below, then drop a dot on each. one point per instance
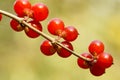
(22, 21)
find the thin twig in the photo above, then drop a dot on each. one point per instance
(22, 21)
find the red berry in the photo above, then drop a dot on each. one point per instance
(104, 60)
(82, 63)
(70, 33)
(55, 26)
(47, 48)
(15, 25)
(63, 52)
(0, 17)
(40, 11)
(96, 47)
(22, 7)
(31, 33)
(96, 70)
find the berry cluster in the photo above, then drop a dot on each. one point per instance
(36, 13)
(47, 48)
(56, 27)
(32, 14)
(100, 59)
(96, 60)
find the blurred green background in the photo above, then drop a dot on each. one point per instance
(21, 59)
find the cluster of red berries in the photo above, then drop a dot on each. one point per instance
(56, 27)
(100, 60)
(34, 14)
(48, 48)
(69, 33)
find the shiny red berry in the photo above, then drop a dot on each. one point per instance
(15, 25)
(47, 48)
(0, 17)
(96, 47)
(63, 52)
(22, 7)
(40, 11)
(70, 33)
(104, 60)
(97, 70)
(31, 33)
(55, 26)
(82, 63)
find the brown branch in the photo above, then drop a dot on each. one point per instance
(22, 21)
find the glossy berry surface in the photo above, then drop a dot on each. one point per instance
(82, 63)
(104, 60)
(15, 25)
(40, 11)
(31, 33)
(47, 48)
(0, 17)
(97, 71)
(55, 26)
(96, 47)
(70, 33)
(63, 52)
(21, 7)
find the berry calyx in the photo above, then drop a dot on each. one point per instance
(104, 60)
(96, 47)
(16, 26)
(0, 17)
(31, 33)
(63, 52)
(82, 63)
(40, 11)
(55, 26)
(21, 7)
(70, 33)
(47, 48)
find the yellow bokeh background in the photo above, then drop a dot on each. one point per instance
(21, 59)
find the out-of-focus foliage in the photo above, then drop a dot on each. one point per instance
(20, 58)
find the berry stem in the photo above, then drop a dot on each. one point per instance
(23, 22)
(11, 16)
